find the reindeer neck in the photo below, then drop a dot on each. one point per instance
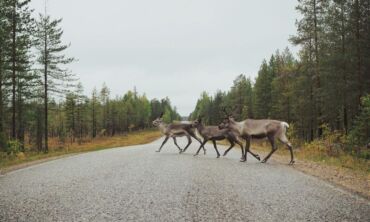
(200, 127)
(237, 126)
(162, 127)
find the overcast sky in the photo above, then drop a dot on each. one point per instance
(174, 48)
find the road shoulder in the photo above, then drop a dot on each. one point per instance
(352, 181)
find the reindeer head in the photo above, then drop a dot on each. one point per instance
(226, 121)
(197, 122)
(158, 121)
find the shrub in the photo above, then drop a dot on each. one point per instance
(13, 147)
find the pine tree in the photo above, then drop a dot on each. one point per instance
(94, 107)
(240, 97)
(104, 99)
(80, 111)
(21, 27)
(70, 110)
(282, 86)
(50, 48)
(262, 90)
(4, 74)
(156, 109)
(310, 29)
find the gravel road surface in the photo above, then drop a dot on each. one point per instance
(137, 184)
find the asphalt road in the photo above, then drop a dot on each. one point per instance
(137, 184)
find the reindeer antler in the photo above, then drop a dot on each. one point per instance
(200, 118)
(224, 110)
(234, 112)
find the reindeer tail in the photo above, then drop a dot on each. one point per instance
(285, 124)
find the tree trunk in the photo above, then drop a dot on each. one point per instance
(20, 131)
(2, 135)
(317, 73)
(46, 94)
(358, 51)
(13, 59)
(93, 119)
(39, 131)
(78, 120)
(343, 62)
(1, 98)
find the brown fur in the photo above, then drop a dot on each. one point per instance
(174, 130)
(251, 128)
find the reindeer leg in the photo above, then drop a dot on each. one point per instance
(204, 142)
(232, 139)
(242, 149)
(175, 141)
(189, 142)
(274, 148)
(248, 150)
(284, 140)
(165, 140)
(215, 146)
(291, 154)
(232, 144)
(199, 140)
(254, 154)
(247, 145)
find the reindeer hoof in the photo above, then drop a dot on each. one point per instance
(195, 155)
(218, 156)
(157, 151)
(291, 162)
(263, 161)
(243, 160)
(224, 154)
(180, 152)
(258, 158)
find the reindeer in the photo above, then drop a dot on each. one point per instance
(176, 130)
(251, 128)
(214, 133)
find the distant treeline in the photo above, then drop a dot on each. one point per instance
(80, 117)
(39, 96)
(325, 89)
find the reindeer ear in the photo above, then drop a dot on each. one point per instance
(160, 116)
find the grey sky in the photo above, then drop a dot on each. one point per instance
(174, 48)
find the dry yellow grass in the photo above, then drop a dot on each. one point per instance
(315, 152)
(340, 168)
(134, 138)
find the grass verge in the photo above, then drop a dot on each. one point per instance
(339, 168)
(9, 163)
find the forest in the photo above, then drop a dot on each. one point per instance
(323, 92)
(41, 98)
